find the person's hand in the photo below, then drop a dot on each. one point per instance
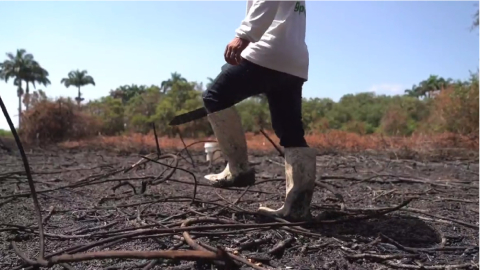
(234, 49)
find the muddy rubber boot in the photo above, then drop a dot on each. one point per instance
(227, 126)
(300, 170)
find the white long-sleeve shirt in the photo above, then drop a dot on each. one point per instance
(276, 31)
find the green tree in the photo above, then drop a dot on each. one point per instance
(255, 114)
(429, 86)
(39, 75)
(141, 108)
(361, 107)
(175, 78)
(181, 98)
(432, 84)
(22, 67)
(127, 92)
(413, 92)
(314, 113)
(78, 79)
(110, 111)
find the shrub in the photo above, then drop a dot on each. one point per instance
(354, 126)
(56, 121)
(110, 113)
(455, 109)
(395, 122)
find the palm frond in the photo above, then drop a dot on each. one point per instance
(66, 82)
(78, 78)
(89, 80)
(10, 56)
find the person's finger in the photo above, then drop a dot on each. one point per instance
(227, 54)
(238, 57)
(231, 56)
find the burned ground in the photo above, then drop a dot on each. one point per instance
(86, 197)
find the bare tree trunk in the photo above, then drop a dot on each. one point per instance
(79, 98)
(27, 97)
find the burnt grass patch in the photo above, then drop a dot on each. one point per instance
(95, 201)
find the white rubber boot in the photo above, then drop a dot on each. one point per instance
(227, 126)
(300, 170)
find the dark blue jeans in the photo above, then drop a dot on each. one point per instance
(283, 91)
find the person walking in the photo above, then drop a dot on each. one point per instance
(267, 56)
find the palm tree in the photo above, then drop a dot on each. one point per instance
(78, 79)
(413, 92)
(434, 83)
(22, 67)
(175, 77)
(39, 75)
(127, 92)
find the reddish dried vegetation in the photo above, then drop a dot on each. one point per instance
(51, 122)
(452, 122)
(327, 142)
(455, 110)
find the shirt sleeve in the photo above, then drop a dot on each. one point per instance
(259, 17)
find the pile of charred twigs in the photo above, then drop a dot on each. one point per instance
(239, 237)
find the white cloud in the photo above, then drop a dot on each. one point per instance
(387, 89)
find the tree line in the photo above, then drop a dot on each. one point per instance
(435, 104)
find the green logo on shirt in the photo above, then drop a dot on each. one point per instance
(300, 8)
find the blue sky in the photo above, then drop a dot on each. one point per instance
(354, 46)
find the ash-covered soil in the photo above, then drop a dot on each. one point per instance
(86, 198)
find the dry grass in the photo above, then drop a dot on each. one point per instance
(332, 141)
